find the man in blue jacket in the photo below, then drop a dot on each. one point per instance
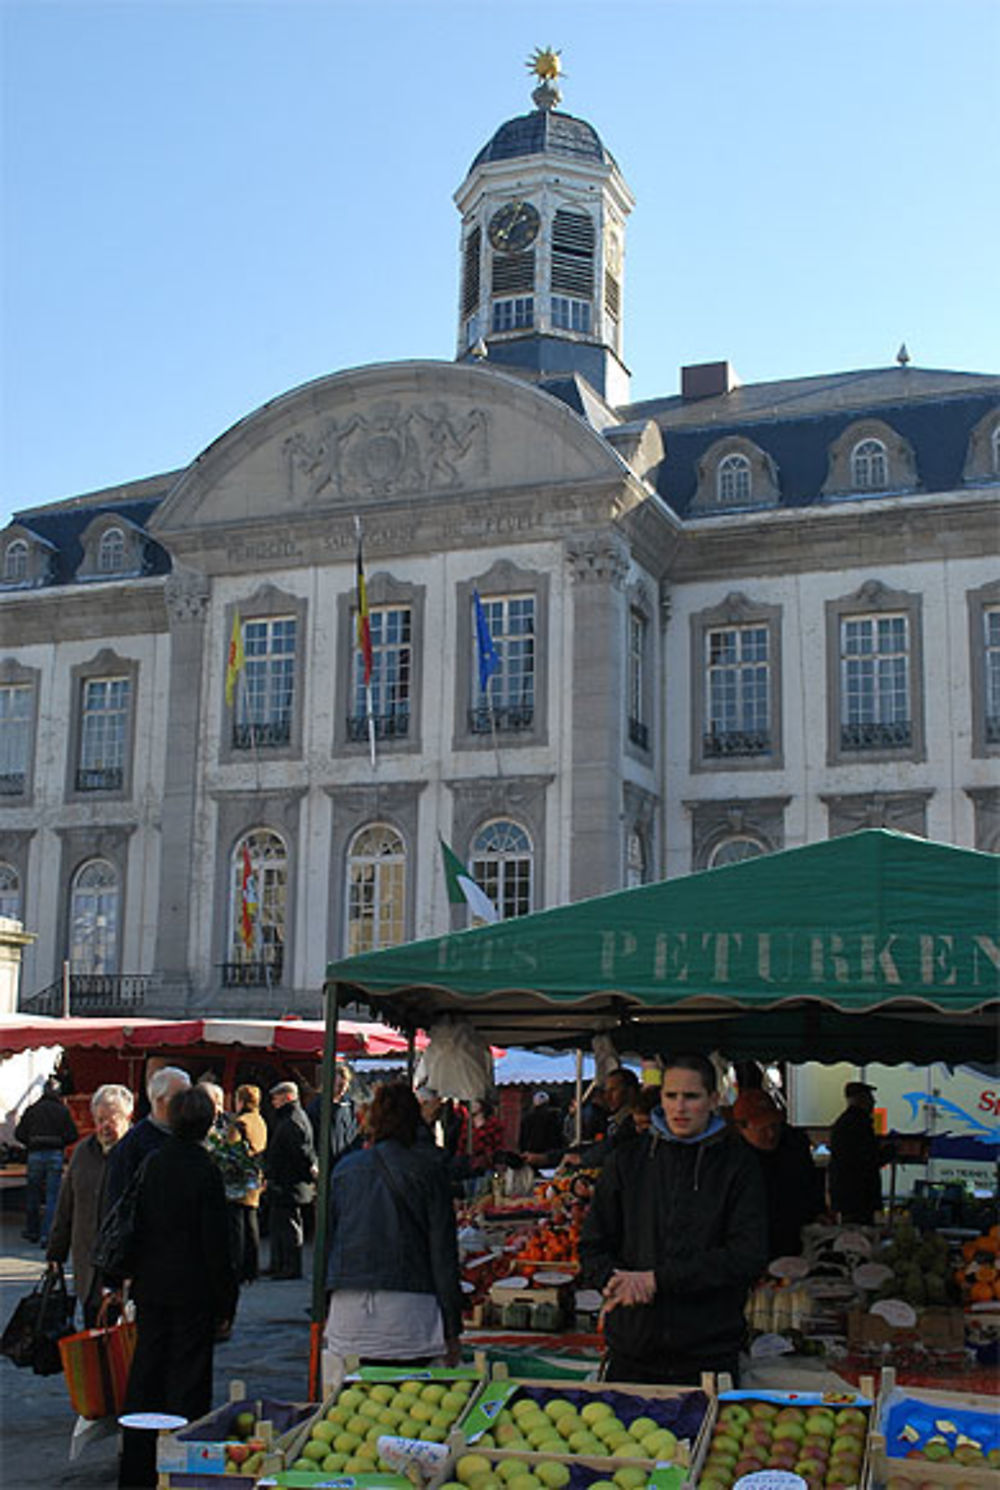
(675, 1236)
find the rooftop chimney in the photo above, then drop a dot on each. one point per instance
(708, 380)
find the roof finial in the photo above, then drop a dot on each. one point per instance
(546, 65)
(902, 356)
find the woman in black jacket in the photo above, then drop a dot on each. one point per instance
(183, 1280)
(675, 1236)
(392, 1263)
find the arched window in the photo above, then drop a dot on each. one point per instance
(257, 910)
(869, 466)
(376, 889)
(95, 910)
(111, 551)
(635, 860)
(15, 561)
(10, 892)
(733, 480)
(734, 850)
(501, 862)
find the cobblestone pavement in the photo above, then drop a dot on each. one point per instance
(269, 1351)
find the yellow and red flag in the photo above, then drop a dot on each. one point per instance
(236, 661)
(248, 903)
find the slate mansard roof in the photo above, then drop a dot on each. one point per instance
(797, 421)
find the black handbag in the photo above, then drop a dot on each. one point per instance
(113, 1253)
(39, 1322)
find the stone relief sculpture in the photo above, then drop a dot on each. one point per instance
(388, 450)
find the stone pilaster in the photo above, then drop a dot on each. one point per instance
(598, 563)
(187, 594)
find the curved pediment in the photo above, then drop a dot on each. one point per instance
(406, 430)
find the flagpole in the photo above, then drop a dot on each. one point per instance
(365, 646)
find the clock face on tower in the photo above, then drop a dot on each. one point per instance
(514, 226)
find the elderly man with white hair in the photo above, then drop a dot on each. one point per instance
(149, 1134)
(80, 1206)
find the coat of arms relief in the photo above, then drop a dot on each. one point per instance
(388, 450)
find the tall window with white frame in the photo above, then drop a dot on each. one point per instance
(95, 910)
(991, 659)
(733, 480)
(16, 701)
(15, 562)
(257, 908)
(638, 725)
(738, 692)
(111, 551)
(508, 702)
(390, 677)
(10, 892)
(376, 889)
(265, 694)
(501, 862)
(875, 711)
(104, 727)
(869, 466)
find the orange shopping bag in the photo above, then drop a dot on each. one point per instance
(96, 1364)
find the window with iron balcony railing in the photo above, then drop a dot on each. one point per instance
(505, 718)
(736, 743)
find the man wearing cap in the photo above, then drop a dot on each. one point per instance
(290, 1168)
(855, 1158)
(793, 1184)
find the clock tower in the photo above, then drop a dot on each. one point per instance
(543, 245)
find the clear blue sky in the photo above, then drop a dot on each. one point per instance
(208, 203)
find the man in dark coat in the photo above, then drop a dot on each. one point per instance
(149, 1134)
(621, 1093)
(45, 1129)
(675, 1236)
(793, 1184)
(855, 1158)
(290, 1169)
(183, 1280)
(540, 1139)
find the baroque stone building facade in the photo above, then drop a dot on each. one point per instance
(724, 622)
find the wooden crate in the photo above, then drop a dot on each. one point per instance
(595, 1391)
(864, 1398)
(193, 1458)
(346, 1375)
(923, 1471)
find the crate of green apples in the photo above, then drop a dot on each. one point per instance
(497, 1470)
(611, 1426)
(342, 1438)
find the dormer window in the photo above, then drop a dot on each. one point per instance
(15, 562)
(733, 483)
(111, 552)
(995, 451)
(869, 466)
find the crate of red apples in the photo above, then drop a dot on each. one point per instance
(821, 1439)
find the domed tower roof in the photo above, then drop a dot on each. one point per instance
(545, 132)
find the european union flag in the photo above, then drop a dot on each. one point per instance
(489, 657)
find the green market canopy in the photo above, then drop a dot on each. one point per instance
(873, 946)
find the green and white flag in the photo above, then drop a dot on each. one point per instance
(462, 888)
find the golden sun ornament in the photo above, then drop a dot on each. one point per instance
(545, 64)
